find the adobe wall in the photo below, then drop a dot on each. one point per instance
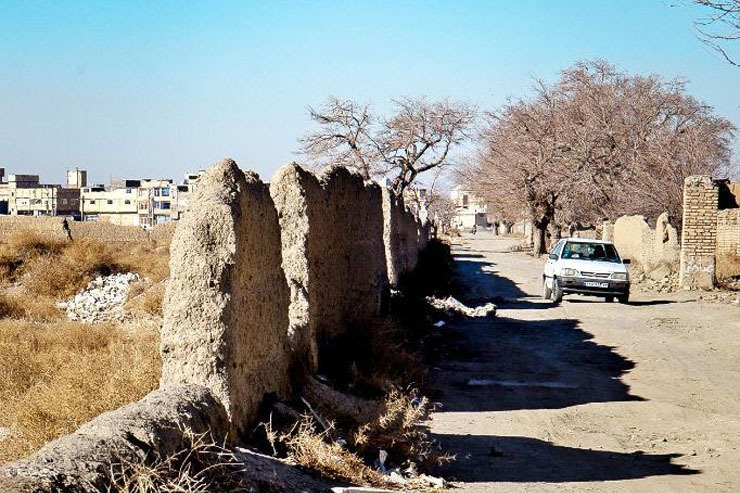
(646, 246)
(51, 227)
(404, 237)
(334, 256)
(150, 428)
(728, 232)
(226, 305)
(260, 278)
(699, 235)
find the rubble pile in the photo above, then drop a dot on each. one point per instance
(101, 300)
(451, 306)
(661, 279)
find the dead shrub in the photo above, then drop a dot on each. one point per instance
(201, 466)
(20, 304)
(145, 299)
(314, 451)
(25, 242)
(58, 375)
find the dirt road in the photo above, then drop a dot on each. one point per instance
(588, 395)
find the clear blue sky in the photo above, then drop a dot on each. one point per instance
(155, 88)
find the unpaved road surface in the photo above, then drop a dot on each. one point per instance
(588, 395)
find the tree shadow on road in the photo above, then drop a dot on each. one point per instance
(507, 364)
(523, 459)
(475, 280)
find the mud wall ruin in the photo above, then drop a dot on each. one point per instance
(645, 246)
(51, 228)
(259, 277)
(226, 304)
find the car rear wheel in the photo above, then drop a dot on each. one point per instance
(557, 291)
(609, 299)
(546, 292)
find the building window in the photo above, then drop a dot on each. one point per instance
(163, 205)
(110, 202)
(143, 206)
(64, 201)
(92, 202)
(156, 192)
(128, 190)
(127, 202)
(165, 192)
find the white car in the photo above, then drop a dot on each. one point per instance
(583, 266)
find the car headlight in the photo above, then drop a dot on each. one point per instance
(619, 276)
(569, 273)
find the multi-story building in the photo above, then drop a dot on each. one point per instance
(117, 205)
(24, 195)
(470, 211)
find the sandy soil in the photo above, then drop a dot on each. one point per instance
(588, 395)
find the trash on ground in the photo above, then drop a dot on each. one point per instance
(452, 305)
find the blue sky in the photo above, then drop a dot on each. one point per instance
(156, 88)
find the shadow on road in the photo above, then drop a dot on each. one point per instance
(522, 459)
(509, 364)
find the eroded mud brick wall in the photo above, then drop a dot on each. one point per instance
(226, 304)
(334, 256)
(648, 247)
(728, 232)
(404, 237)
(699, 235)
(51, 228)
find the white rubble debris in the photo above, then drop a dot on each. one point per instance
(452, 305)
(4, 433)
(101, 300)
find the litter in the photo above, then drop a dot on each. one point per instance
(452, 305)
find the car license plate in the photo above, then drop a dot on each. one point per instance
(596, 284)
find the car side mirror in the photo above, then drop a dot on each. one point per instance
(553, 256)
(626, 261)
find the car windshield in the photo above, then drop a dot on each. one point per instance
(590, 251)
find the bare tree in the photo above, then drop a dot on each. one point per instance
(343, 136)
(598, 143)
(418, 137)
(720, 27)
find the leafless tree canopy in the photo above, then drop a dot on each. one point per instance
(720, 27)
(418, 137)
(596, 144)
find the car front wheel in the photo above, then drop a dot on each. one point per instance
(546, 292)
(624, 299)
(557, 291)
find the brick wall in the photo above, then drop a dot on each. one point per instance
(699, 236)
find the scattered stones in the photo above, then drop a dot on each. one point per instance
(661, 279)
(4, 433)
(452, 306)
(101, 300)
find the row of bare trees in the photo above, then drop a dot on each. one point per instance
(596, 144)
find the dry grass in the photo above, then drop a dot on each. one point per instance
(313, 450)
(60, 269)
(58, 375)
(145, 299)
(201, 466)
(728, 266)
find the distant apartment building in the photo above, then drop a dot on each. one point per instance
(145, 203)
(24, 195)
(116, 204)
(469, 210)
